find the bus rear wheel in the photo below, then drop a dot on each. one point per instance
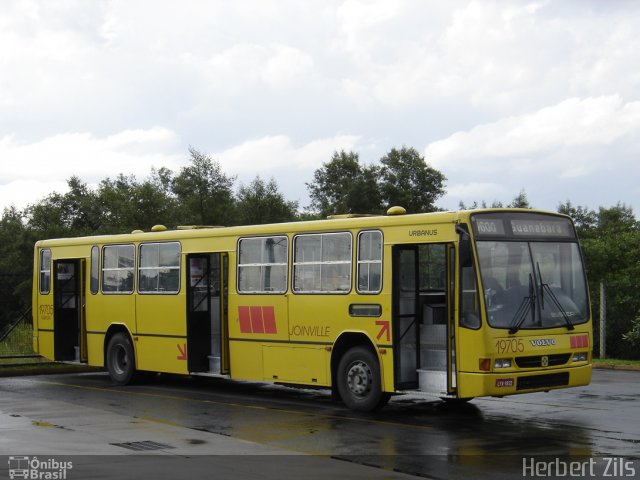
(120, 359)
(359, 381)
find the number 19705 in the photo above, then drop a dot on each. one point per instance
(511, 345)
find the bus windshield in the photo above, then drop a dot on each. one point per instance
(533, 284)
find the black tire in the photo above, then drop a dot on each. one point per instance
(359, 381)
(120, 358)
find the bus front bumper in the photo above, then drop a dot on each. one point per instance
(511, 383)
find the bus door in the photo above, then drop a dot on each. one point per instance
(69, 322)
(406, 316)
(207, 344)
(422, 317)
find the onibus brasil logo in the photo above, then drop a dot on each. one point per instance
(36, 469)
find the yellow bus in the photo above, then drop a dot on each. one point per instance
(460, 304)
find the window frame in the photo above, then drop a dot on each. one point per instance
(133, 269)
(140, 268)
(369, 262)
(95, 264)
(41, 271)
(321, 263)
(261, 265)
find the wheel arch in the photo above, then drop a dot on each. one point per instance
(346, 341)
(111, 331)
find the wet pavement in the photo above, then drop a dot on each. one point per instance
(413, 435)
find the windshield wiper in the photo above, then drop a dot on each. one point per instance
(528, 304)
(544, 287)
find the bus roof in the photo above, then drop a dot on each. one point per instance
(340, 222)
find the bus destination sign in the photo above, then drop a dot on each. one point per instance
(541, 228)
(532, 226)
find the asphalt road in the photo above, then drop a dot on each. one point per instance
(203, 424)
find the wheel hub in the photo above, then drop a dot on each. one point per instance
(120, 360)
(359, 379)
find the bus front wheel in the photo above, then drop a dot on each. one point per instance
(359, 381)
(120, 359)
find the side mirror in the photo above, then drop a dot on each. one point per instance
(465, 251)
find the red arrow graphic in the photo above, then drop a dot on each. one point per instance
(385, 329)
(183, 352)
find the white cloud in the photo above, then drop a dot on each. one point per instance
(556, 137)
(579, 149)
(33, 170)
(492, 55)
(477, 191)
(529, 86)
(21, 193)
(273, 152)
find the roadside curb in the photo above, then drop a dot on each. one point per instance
(606, 366)
(45, 370)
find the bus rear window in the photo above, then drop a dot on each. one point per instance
(45, 271)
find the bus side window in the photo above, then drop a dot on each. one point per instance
(322, 263)
(118, 263)
(370, 262)
(469, 301)
(45, 271)
(262, 264)
(95, 269)
(159, 270)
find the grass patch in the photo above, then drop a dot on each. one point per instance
(616, 361)
(44, 368)
(19, 341)
(22, 361)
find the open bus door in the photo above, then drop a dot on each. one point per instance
(207, 337)
(69, 317)
(423, 317)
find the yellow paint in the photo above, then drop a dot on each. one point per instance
(307, 326)
(38, 423)
(160, 354)
(306, 364)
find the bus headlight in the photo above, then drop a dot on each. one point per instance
(579, 357)
(502, 363)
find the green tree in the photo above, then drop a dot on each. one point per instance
(407, 180)
(204, 192)
(610, 241)
(585, 220)
(520, 201)
(261, 202)
(16, 251)
(343, 185)
(76, 212)
(129, 204)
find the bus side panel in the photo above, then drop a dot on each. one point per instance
(161, 354)
(386, 369)
(105, 310)
(161, 314)
(246, 360)
(45, 339)
(472, 344)
(298, 364)
(263, 317)
(95, 346)
(44, 332)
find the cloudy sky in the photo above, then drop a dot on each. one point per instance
(499, 95)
